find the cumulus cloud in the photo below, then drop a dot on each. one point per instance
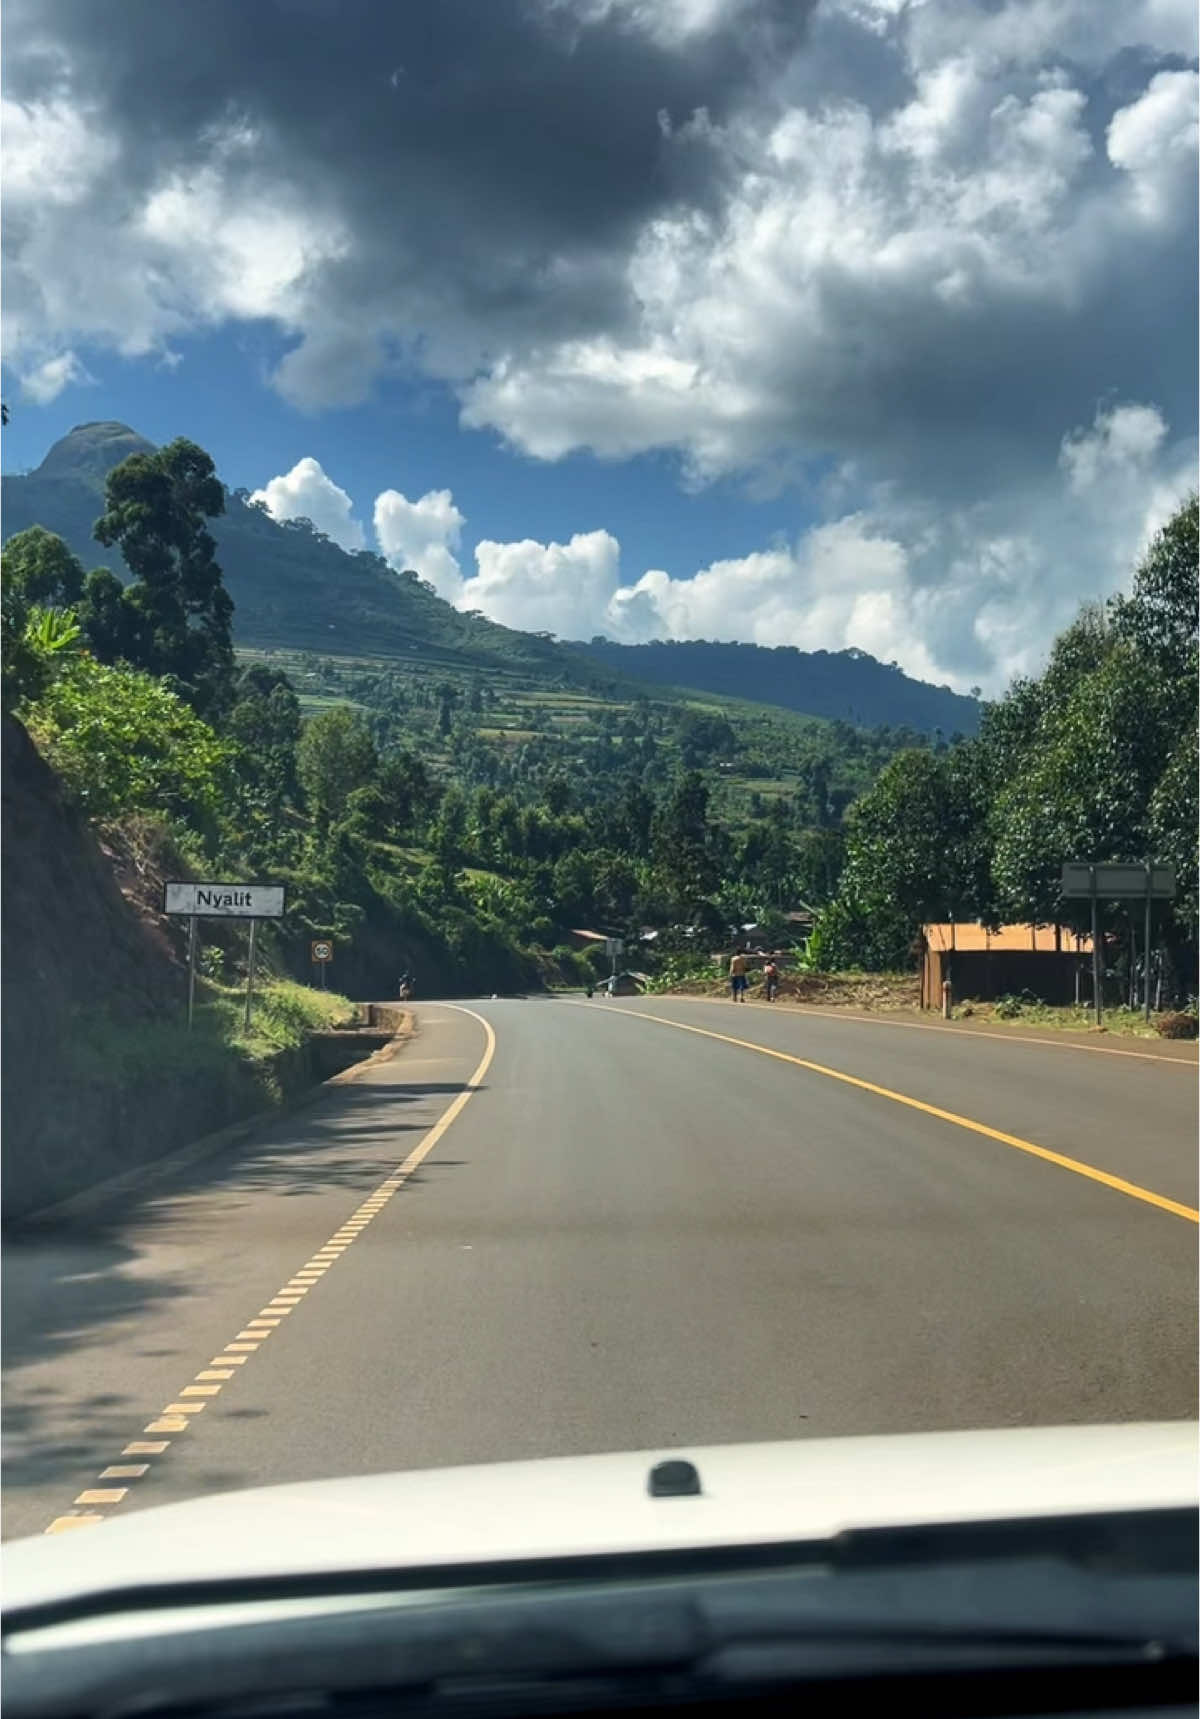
(423, 536)
(545, 587)
(46, 381)
(307, 493)
(910, 243)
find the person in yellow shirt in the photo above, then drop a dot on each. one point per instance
(737, 977)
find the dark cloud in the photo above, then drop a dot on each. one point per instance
(472, 147)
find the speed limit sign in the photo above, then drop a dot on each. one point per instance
(322, 951)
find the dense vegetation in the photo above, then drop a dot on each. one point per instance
(1096, 759)
(463, 819)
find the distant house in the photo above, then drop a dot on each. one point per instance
(585, 939)
(1047, 961)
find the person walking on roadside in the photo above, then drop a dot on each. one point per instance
(737, 977)
(771, 980)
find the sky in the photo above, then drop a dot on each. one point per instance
(828, 323)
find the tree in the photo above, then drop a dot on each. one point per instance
(681, 843)
(265, 721)
(39, 563)
(447, 838)
(1160, 614)
(335, 755)
(124, 743)
(447, 697)
(1085, 785)
(156, 506)
(22, 673)
(405, 784)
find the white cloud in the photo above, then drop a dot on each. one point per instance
(1153, 140)
(969, 596)
(306, 492)
(132, 273)
(1121, 443)
(544, 587)
(46, 381)
(422, 535)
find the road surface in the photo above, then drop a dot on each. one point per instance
(625, 1230)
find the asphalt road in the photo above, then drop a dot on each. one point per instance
(633, 1233)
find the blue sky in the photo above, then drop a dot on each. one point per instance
(407, 437)
(829, 323)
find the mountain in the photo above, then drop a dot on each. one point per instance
(294, 589)
(849, 685)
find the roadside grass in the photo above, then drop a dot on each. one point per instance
(1062, 1017)
(126, 1053)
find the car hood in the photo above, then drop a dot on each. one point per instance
(804, 1489)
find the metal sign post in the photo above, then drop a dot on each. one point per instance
(1118, 881)
(191, 969)
(321, 954)
(1146, 937)
(252, 901)
(250, 974)
(1097, 963)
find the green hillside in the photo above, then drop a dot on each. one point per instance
(849, 686)
(292, 587)
(294, 590)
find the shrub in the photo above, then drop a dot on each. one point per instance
(1179, 1025)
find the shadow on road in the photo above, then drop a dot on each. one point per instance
(82, 1282)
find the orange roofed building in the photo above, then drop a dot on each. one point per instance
(981, 964)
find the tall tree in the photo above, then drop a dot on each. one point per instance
(156, 506)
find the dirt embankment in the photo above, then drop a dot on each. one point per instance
(76, 951)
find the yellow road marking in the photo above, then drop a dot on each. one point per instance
(1001, 1037)
(1092, 1174)
(176, 1416)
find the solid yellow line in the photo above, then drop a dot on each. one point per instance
(1118, 1183)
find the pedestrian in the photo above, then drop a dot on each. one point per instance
(737, 977)
(771, 980)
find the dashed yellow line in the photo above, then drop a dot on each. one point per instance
(1118, 1183)
(177, 1416)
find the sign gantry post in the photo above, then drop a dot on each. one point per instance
(195, 901)
(1117, 881)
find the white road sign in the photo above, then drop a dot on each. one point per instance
(226, 900)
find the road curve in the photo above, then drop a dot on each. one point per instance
(629, 1233)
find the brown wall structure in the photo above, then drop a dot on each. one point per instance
(982, 964)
